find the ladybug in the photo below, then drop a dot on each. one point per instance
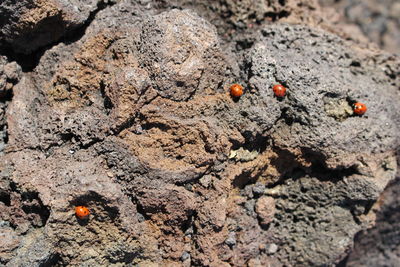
(279, 90)
(236, 90)
(82, 212)
(359, 108)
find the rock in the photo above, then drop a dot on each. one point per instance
(36, 250)
(29, 25)
(254, 263)
(265, 209)
(182, 52)
(10, 73)
(243, 154)
(172, 206)
(231, 240)
(185, 256)
(206, 180)
(259, 189)
(271, 248)
(374, 19)
(379, 244)
(304, 118)
(130, 115)
(9, 241)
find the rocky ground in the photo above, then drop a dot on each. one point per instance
(124, 107)
(377, 21)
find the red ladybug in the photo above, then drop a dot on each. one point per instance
(236, 90)
(279, 90)
(82, 212)
(359, 108)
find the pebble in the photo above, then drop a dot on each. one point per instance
(189, 231)
(258, 189)
(231, 240)
(205, 181)
(271, 248)
(265, 209)
(140, 217)
(185, 256)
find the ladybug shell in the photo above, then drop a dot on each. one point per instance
(82, 212)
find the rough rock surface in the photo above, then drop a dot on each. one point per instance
(31, 24)
(134, 120)
(377, 20)
(380, 245)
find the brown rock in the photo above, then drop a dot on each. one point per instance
(9, 241)
(265, 209)
(132, 118)
(31, 24)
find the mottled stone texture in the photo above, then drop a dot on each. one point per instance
(380, 245)
(132, 118)
(376, 20)
(30, 24)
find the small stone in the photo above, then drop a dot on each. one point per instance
(271, 248)
(232, 154)
(205, 181)
(12, 71)
(140, 217)
(249, 206)
(276, 191)
(185, 256)
(189, 231)
(248, 191)
(138, 129)
(4, 223)
(338, 109)
(243, 155)
(231, 240)
(189, 187)
(258, 189)
(265, 209)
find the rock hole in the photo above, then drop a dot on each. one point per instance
(53, 260)
(5, 198)
(180, 83)
(244, 44)
(273, 16)
(107, 101)
(343, 263)
(355, 64)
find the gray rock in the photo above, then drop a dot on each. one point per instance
(35, 250)
(258, 189)
(325, 64)
(271, 248)
(142, 99)
(185, 256)
(205, 180)
(29, 25)
(231, 240)
(10, 73)
(9, 242)
(182, 53)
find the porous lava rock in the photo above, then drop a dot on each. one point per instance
(133, 119)
(31, 24)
